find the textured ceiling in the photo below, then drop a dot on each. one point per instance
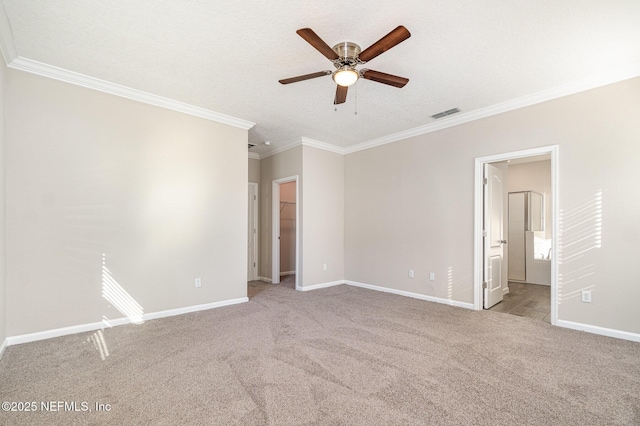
(227, 56)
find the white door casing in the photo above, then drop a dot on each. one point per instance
(275, 229)
(553, 151)
(493, 236)
(252, 233)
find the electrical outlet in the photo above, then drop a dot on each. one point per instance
(198, 282)
(324, 267)
(432, 276)
(411, 273)
(586, 296)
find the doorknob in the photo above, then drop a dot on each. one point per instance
(502, 241)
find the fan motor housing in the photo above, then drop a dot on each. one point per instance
(348, 54)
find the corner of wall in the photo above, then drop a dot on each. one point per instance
(323, 225)
(3, 281)
(281, 165)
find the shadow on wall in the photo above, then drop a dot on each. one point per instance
(579, 232)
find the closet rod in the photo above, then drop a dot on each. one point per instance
(285, 204)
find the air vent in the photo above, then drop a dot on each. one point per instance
(445, 113)
(251, 145)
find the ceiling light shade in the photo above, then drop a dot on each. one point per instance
(345, 76)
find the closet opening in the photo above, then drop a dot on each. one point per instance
(288, 227)
(285, 232)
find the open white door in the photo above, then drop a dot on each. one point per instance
(493, 279)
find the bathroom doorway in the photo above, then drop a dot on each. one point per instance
(529, 288)
(529, 239)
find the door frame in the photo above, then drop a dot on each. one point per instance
(254, 274)
(275, 228)
(478, 224)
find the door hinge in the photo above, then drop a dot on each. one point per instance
(254, 264)
(485, 181)
(484, 233)
(484, 284)
(254, 197)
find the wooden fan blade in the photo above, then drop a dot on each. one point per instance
(395, 37)
(304, 77)
(341, 94)
(315, 40)
(384, 78)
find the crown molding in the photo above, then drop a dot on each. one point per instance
(303, 141)
(279, 149)
(524, 101)
(50, 71)
(455, 120)
(13, 60)
(254, 155)
(322, 145)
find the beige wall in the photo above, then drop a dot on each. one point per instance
(534, 176)
(410, 204)
(3, 206)
(282, 165)
(323, 230)
(321, 206)
(158, 197)
(254, 170)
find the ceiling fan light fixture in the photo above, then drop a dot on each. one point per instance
(346, 56)
(345, 76)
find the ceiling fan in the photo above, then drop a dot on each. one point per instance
(347, 55)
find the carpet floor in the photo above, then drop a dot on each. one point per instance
(336, 356)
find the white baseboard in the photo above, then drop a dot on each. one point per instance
(413, 295)
(64, 331)
(609, 332)
(288, 273)
(267, 280)
(321, 285)
(195, 308)
(83, 328)
(3, 346)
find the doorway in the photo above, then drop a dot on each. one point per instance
(285, 232)
(288, 227)
(520, 296)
